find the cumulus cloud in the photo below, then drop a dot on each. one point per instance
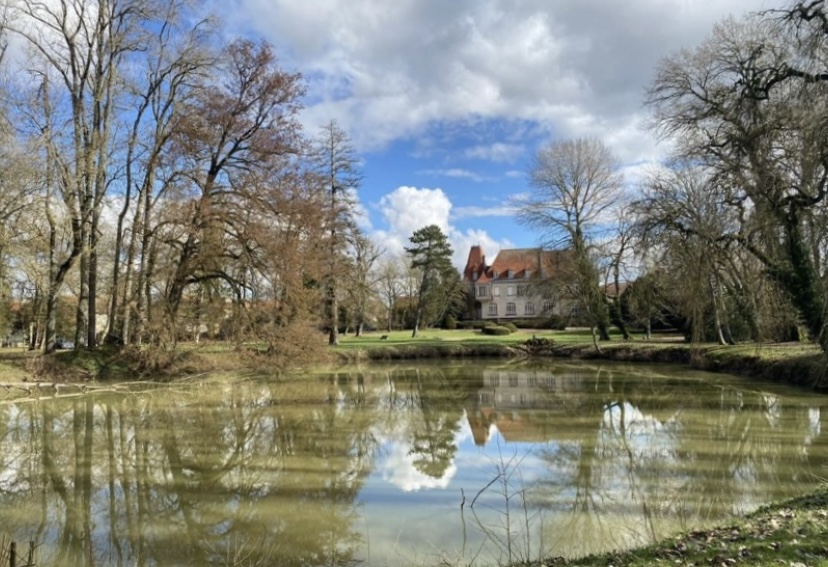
(388, 70)
(407, 209)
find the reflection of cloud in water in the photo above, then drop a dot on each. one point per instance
(397, 464)
(398, 469)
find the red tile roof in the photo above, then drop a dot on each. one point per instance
(518, 261)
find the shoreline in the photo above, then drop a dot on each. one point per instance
(789, 363)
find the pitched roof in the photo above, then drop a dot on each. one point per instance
(476, 262)
(516, 260)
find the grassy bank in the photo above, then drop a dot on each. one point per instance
(793, 363)
(792, 534)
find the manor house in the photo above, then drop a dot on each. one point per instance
(508, 289)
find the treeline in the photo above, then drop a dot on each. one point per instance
(728, 240)
(737, 224)
(156, 184)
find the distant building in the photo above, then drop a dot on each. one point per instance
(508, 289)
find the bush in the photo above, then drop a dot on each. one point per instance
(472, 324)
(450, 323)
(511, 326)
(554, 322)
(495, 330)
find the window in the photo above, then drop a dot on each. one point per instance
(533, 382)
(522, 290)
(474, 275)
(511, 309)
(529, 308)
(527, 274)
(513, 381)
(494, 275)
(510, 290)
(493, 309)
(510, 274)
(482, 291)
(494, 381)
(548, 306)
(496, 291)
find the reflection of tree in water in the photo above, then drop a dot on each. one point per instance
(210, 474)
(656, 459)
(208, 480)
(441, 405)
(268, 470)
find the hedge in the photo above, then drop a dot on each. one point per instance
(495, 330)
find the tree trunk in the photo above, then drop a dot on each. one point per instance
(92, 326)
(333, 314)
(82, 308)
(417, 318)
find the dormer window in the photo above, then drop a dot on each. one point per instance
(510, 274)
(474, 275)
(494, 275)
(527, 274)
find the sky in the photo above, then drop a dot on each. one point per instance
(446, 101)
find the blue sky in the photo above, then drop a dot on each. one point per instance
(447, 100)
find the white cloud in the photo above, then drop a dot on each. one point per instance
(398, 469)
(497, 152)
(474, 211)
(407, 209)
(461, 242)
(388, 70)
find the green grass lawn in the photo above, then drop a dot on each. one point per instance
(435, 337)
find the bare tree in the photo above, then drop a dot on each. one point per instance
(174, 59)
(82, 44)
(576, 189)
(338, 166)
(361, 286)
(751, 104)
(231, 135)
(389, 280)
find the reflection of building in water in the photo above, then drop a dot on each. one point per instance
(508, 401)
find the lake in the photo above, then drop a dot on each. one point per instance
(476, 461)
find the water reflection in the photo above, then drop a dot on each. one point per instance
(381, 465)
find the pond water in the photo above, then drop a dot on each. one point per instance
(400, 465)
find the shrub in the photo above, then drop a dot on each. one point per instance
(472, 324)
(511, 326)
(450, 323)
(555, 322)
(495, 330)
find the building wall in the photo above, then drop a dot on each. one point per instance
(512, 299)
